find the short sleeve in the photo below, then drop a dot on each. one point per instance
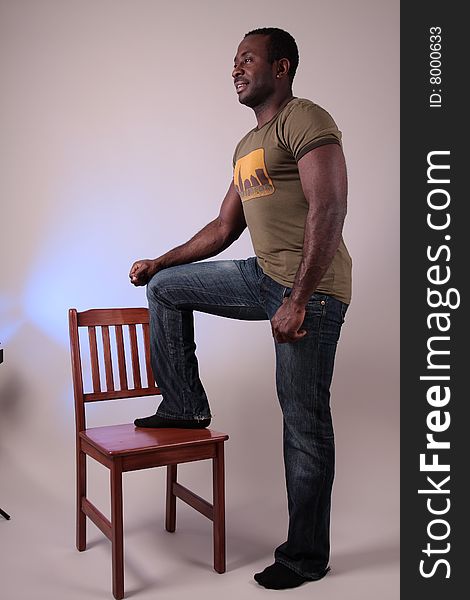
(306, 127)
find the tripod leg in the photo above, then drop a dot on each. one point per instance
(4, 514)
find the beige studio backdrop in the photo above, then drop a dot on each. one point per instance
(118, 123)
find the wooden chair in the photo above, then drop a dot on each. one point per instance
(123, 448)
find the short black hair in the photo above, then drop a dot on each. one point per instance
(281, 45)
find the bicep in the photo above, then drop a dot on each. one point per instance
(323, 176)
(231, 214)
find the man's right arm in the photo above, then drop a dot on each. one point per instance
(215, 237)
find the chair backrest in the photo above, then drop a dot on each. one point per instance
(127, 362)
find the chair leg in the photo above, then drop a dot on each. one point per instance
(117, 529)
(81, 493)
(170, 517)
(218, 482)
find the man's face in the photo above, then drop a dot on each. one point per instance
(254, 77)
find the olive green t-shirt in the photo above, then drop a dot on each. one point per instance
(267, 179)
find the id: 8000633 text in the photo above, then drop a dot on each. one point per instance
(435, 64)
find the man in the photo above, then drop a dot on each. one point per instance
(289, 188)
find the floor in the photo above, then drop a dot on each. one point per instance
(39, 559)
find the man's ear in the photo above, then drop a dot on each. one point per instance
(283, 66)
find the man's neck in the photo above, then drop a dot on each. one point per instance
(267, 110)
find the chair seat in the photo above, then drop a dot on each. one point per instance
(115, 440)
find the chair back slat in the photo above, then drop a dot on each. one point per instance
(89, 389)
(108, 362)
(148, 367)
(121, 357)
(95, 366)
(135, 356)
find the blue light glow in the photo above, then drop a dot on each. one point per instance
(11, 318)
(83, 260)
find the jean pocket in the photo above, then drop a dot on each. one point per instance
(318, 299)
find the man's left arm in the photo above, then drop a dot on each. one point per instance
(324, 183)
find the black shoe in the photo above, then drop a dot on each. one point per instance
(279, 577)
(161, 422)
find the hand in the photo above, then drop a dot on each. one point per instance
(142, 271)
(287, 321)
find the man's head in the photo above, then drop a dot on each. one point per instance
(266, 62)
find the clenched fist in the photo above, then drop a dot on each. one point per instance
(142, 271)
(287, 322)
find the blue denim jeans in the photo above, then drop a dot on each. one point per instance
(240, 290)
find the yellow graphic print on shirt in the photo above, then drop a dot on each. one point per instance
(251, 177)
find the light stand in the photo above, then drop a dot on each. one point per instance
(2, 512)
